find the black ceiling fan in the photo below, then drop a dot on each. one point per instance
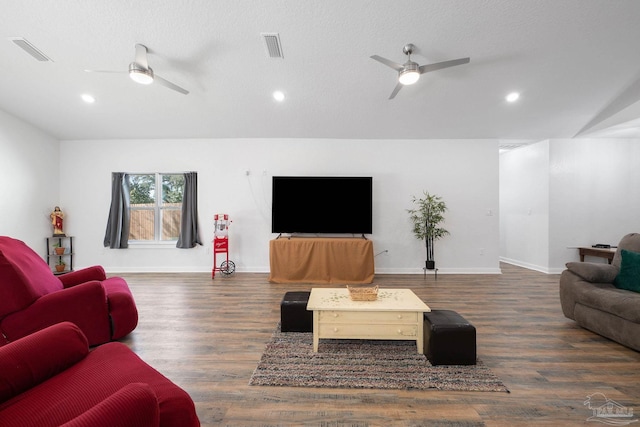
(409, 72)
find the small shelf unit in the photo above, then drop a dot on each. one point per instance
(54, 259)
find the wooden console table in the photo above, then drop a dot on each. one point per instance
(607, 253)
(321, 260)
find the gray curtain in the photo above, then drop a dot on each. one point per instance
(189, 234)
(117, 234)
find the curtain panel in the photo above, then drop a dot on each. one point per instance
(117, 233)
(189, 232)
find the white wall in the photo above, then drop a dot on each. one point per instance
(524, 206)
(554, 195)
(463, 172)
(595, 195)
(29, 181)
(586, 191)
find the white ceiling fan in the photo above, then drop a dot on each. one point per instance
(409, 72)
(141, 72)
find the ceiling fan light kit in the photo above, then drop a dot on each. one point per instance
(409, 72)
(408, 77)
(140, 75)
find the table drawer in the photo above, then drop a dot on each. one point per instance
(370, 317)
(365, 331)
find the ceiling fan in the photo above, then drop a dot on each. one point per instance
(409, 72)
(140, 72)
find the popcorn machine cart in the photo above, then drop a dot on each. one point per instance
(221, 246)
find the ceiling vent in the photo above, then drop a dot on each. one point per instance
(30, 49)
(272, 41)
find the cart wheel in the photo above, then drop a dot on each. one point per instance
(227, 268)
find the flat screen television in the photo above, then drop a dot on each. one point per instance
(322, 204)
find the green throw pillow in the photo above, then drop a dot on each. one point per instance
(629, 276)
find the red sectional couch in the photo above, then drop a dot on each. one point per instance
(32, 297)
(51, 378)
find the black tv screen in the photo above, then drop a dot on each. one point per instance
(320, 204)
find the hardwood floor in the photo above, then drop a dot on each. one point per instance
(208, 335)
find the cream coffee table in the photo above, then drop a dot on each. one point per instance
(397, 314)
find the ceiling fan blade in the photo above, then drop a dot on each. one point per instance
(396, 90)
(441, 65)
(167, 83)
(105, 71)
(141, 56)
(387, 62)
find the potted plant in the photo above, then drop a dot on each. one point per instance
(426, 218)
(58, 248)
(60, 265)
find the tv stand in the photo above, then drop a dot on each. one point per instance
(339, 260)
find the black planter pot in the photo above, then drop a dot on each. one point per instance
(430, 265)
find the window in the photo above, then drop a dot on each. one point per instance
(155, 206)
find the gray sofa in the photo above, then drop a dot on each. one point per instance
(588, 296)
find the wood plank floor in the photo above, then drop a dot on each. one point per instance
(208, 335)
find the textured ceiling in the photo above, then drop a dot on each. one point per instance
(575, 62)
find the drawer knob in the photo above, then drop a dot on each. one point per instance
(399, 316)
(399, 331)
(335, 329)
(335, 314)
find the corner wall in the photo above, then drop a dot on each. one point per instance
(524, 206)
(29, 173)
(579, 192)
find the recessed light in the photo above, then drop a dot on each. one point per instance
(512, 97)
(278, 96)
(89, 99)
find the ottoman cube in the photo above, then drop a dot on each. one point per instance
(449, 339)
(294, 316)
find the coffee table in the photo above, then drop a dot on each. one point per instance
(397, 314)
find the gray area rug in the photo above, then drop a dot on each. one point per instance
(289, 360)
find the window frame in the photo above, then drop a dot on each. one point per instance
(158, 210)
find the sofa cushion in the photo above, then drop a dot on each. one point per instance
(24, 276)
(629, 276)
(134, 405)
(104, 371)
(630, 242)
(35, 358)
(607, 298)
(592, 272)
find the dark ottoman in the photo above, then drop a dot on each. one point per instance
(294, 316)
(449, 339)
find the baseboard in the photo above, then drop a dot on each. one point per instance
(529, 266)
(440, 271)
(116, 270)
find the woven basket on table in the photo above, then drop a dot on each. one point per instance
(363, 293)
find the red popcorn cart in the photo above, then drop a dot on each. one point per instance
(221, 246)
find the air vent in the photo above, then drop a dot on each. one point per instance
(30, 49)
(274, 48)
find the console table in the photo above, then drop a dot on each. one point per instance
(607, 253)
(321, 260)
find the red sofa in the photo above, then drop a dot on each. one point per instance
(32, 297)
(50, 379)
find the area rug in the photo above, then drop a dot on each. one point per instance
(289, 360)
